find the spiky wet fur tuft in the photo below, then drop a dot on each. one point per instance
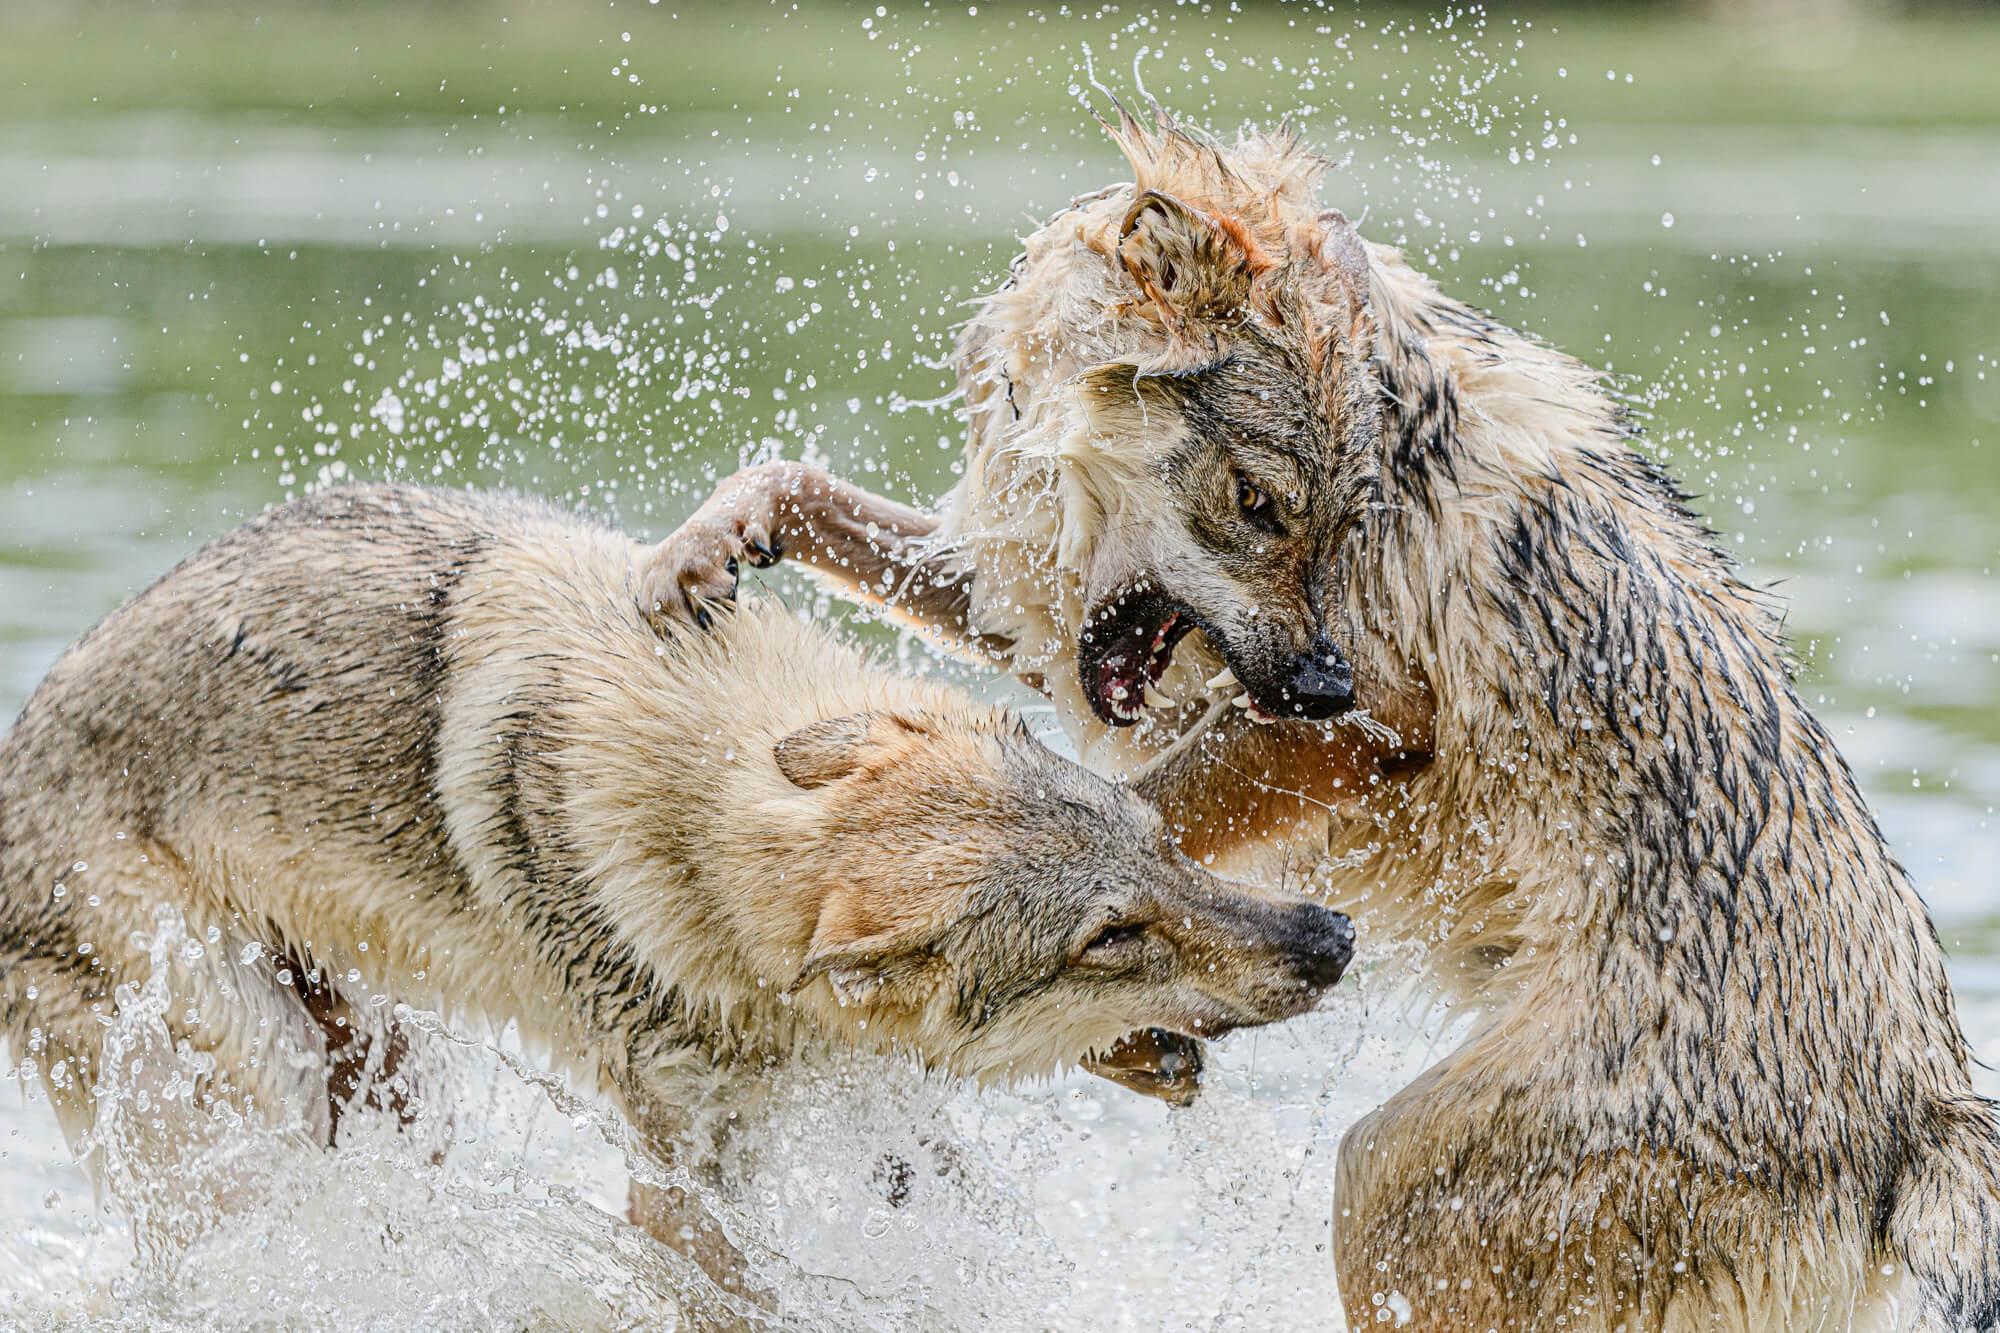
(1720, 1080)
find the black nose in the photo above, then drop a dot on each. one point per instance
(1322, 683)
(1321, 942)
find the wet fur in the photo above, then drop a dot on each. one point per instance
(423, 745)
(1718, 1080)
(1721, 1080)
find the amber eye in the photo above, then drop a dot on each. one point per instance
(1252, 500)
(1114, 935)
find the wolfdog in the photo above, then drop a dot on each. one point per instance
(1482, 653)
(425, 744)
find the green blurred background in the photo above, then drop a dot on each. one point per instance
(604, 250)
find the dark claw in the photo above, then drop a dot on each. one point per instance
(702, 618)
(730, 565)
(766, 556)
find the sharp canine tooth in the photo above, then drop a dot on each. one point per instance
(1222, 681)
(1240, 701)
(1156, 698)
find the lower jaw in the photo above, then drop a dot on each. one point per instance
(1154, 1062)
(1173, 1090)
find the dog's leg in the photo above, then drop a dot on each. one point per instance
(170, 1049)
(1233, 781)
(1511, 1186)
(678, 1220)
(368, 1063)
(1457, 1205)
(657, 1107)
(876, 548)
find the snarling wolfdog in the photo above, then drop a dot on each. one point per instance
(1315, 551)
(425, 746)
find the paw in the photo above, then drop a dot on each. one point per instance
(693, 573)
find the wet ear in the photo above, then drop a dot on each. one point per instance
(1345, 254)
(1184, 260)
(862, 967)
(858, 971)
(827, 750)
(837, 747)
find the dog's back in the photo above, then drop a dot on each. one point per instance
(372, 677)
(283, 636)
(281, 690)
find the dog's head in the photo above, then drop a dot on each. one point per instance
(1005, 913)
(1188, 361)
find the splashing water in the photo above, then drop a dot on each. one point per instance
(866, 1195)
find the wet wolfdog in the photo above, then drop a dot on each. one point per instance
(1223, 451)
(424, 744)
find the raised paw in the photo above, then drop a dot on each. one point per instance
(691, 574)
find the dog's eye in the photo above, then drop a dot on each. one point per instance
(1254, 502)
(1251, 499)
(1114, 935)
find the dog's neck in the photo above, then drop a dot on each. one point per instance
(1512, 484)
(1615, 724)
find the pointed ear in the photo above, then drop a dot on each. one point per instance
(1345, 254)
(824, 751)
(862, 968)
(837, 747)
(858, 970)
(1184, 260)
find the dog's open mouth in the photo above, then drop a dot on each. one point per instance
(1154, 1063)
(1127, 644)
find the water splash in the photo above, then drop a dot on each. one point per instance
(866, 1195)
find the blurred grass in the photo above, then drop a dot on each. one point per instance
(368, 63)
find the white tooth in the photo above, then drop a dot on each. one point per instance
(1222, 681)
(1155, 698)
(1240, 701)
(1119, 692)
(1259, 715)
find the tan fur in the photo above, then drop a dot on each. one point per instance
(1718, 1079)
(424, 744)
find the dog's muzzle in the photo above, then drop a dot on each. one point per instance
(1319, 944)
(1321, 685)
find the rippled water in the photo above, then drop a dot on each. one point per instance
(606, 254)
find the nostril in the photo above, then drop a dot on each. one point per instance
(1322, 685)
